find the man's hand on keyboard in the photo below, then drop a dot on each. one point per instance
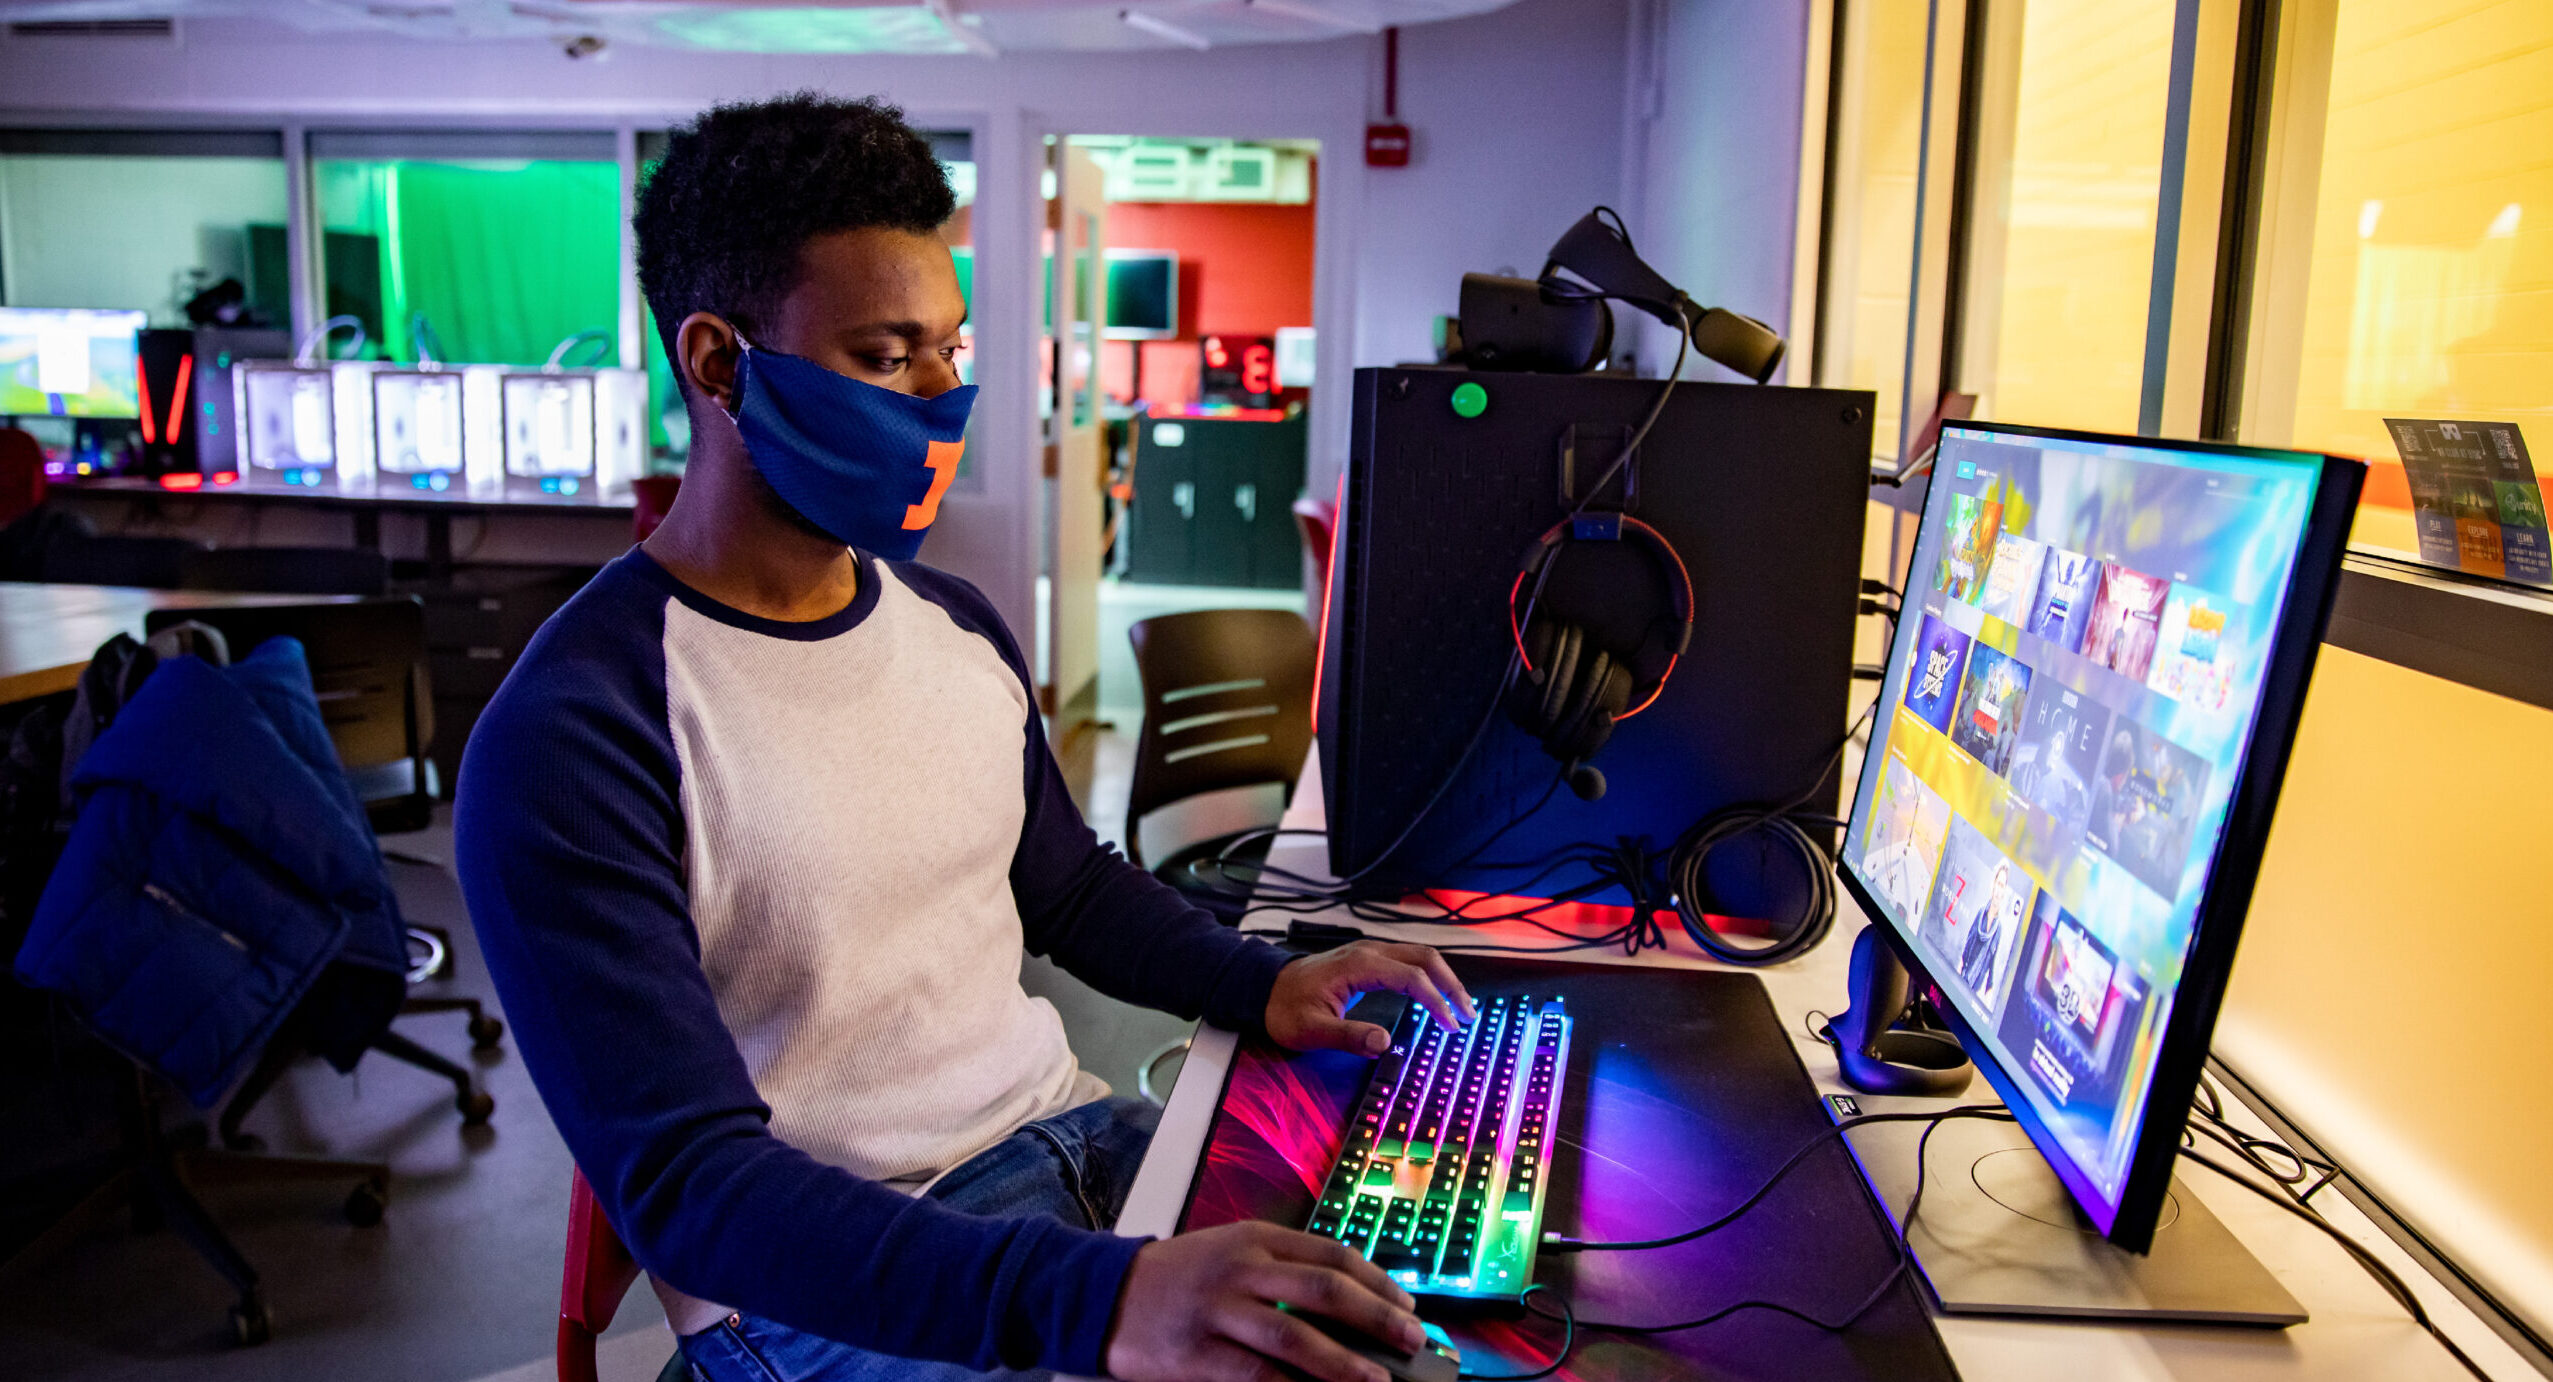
(1306, 1010)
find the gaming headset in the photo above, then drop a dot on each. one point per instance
(1574, 685)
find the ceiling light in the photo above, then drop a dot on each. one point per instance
(1163, 28)
(1299, 9)
(774, 28)
(962, 28)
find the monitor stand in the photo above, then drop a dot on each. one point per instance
(1998, 1234)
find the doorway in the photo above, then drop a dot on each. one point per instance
(1186, 324)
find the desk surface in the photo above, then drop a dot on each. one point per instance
(47, 632)
(2356, 1331)
(617, 502)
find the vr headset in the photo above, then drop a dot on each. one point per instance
(1560, 323)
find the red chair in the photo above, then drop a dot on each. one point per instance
(599, 1272)
(1315, 518)
(21, 473)
(652, 497)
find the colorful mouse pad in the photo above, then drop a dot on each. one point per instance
(1684, 1093)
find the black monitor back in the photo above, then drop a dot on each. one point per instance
(1763, 491)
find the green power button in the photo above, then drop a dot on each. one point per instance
(1470, 400)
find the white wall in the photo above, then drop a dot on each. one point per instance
(1715, 132)
(1517, 118)
(1518, 115)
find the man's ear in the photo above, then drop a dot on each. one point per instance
(705, 350)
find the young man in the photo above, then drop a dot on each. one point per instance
(757, 830)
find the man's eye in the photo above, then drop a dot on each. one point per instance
(887, 363)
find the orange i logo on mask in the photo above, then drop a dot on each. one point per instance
(943, 463)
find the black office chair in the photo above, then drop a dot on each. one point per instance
(367, 662)
(148, 1173)
(152, 562)
(1227, 706)
(286, 570)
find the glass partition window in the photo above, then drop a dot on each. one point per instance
(2069, 172)
(498, 261)
(1878, 110)
(138, 232)
(2430, 289)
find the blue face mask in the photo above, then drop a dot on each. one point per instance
(867, 465)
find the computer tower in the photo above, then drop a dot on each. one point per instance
(165, 386)
(218, 353)
(1762, 491)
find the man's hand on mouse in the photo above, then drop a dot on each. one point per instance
(1202, 1307)
(1307, 1009)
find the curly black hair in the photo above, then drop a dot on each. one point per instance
(742, 188)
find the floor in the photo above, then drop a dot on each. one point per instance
(460, 1283)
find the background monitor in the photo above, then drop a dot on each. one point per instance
(2086, 712)
(69, 362)
(1296, 352)
(1143, 295)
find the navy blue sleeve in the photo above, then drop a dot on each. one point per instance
(570, 838)
(1110, 924)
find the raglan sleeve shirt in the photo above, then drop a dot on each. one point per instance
(571, 838)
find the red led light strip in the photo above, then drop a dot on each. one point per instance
(142, 387)
(176, 401)
(1321, 645)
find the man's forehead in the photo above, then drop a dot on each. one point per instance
(879, 281)
(880, 253)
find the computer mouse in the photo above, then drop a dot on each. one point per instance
(1437, 1361)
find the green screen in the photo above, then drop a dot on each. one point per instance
(503, 259)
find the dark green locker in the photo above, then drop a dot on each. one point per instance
(1214, 502)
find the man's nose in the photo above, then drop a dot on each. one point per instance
(938, 377)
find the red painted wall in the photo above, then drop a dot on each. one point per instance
(1244, 269)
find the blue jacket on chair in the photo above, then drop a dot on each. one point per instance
(220, 866)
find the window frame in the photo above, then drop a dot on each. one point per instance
(298, 141)
(2251, 86)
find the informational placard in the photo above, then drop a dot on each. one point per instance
(2475, 499)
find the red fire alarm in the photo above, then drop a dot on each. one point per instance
(1387, 145)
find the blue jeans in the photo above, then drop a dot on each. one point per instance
(1075, 1166)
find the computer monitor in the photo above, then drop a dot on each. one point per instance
(2084, 718)
(1143, 295)
(70, 362)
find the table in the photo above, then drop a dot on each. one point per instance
(47, 632)
(387, 496)
(436, 508)
(2357, 1332)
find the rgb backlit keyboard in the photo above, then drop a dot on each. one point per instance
(1448, 1148)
